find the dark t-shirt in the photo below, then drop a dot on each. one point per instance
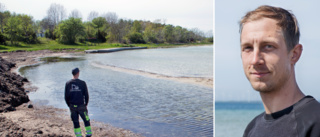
(76, 92)
(299, 120)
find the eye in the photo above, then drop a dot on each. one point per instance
(247, 48)
(269, 46)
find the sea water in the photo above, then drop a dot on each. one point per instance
(231, 118)
(150, 106)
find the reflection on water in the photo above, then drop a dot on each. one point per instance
(60, 59)
(150, 106)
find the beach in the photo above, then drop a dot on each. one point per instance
(24, 117)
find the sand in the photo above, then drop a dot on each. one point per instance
(206, 82)
(49, 121)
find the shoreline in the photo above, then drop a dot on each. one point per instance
(49, 121)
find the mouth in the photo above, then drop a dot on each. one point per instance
(259, 74)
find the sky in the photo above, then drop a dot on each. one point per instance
(230, 81)
(186, 13)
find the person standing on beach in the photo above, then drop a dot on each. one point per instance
(270, 48)
(77, 98)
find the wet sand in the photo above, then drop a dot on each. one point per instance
(206, 82)
(29, 58)
(50, 121)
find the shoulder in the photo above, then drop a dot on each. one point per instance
(69, 81)
(252, 124)
(81, 81)
(307, 116)
(309, 107)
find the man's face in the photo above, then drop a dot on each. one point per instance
(266, 61)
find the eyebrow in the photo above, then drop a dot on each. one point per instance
(263, 41)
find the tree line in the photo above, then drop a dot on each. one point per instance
(106, 27)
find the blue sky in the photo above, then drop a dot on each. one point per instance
(186, 13)
(230, 81)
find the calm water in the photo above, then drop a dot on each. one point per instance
(187, 61)
(153, 107)
(231, 118)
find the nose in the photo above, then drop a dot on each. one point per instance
(257, 58)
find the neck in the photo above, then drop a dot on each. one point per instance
(277, 100)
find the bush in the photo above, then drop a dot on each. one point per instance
(209, 40)
(49, 34)
(2, 39)
(31, 39)
(136, 37)
(70, 30)
(101, 37)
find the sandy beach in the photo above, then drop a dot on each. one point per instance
(49, 121)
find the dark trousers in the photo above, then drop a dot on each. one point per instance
(83, 112)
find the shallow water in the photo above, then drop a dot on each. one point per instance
(231, 118)
(153, 107)
(186, 61)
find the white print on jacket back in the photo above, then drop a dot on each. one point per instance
(74, 88)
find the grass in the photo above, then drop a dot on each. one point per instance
(47, 44)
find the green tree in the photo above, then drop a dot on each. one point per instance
(69, 30)
(47, 25)
(149, 34)
(28, 33)
(168, 33)
(180, 34)
(100, 23)
(90, 32)
(124, 29)
(36, 26)
(3, 19)
(136, 27)
(135, 35)
(13, 29)
(2, 39)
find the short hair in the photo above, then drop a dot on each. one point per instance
(286, 21)
(75, 71)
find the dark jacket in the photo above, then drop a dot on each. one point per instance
(299, 120)
(76, 92)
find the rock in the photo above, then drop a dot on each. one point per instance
(10, 108)
(30, 106)
(40, 132)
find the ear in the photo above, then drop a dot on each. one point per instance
(296, 53)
